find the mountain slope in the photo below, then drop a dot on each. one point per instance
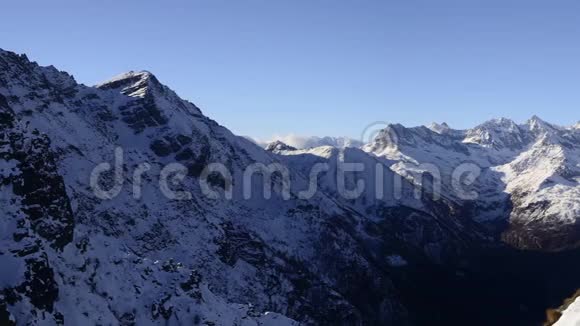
(527, 175)
(301, 258)
(106, 220)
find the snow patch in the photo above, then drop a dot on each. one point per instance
(571, 316)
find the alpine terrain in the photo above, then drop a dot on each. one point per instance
(454, 227)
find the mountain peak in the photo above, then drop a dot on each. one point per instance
(18, 72)
(536, 120)
(497, 133)
(142, 75)
(439, 127)
(537, 124)
(132, 83)
(499, 123)
(277, 145)
(12, 54)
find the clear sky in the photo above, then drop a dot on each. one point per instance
(314, 67)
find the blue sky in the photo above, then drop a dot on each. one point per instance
(313, 67)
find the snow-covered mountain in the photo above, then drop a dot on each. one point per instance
(529, 174)
(301, 142)
(136, 256)
(277, 146)
(155, 260)
(394, 204)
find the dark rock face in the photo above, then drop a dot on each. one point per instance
(40, 286)
(141, 114)
(44, 214)
(279, 146)
(237, 244)
(40, 187)
(6, 114)
(171, 144)
(5, 316)
(311, 299)
(16, 69)
(537, 236)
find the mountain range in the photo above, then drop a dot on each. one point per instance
(301, 142)
(495, 243)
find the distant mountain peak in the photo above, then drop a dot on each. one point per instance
(537, 125)
(439, 127)
(277, 146)
(503, 123)
(305, 142)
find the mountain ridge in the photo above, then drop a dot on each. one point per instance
(144, 258)
(243, 250)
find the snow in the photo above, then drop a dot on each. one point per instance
(439, 128)
(535, 162)
(144, 74)
(245, 251)
(570, 316)
(12, 270)
(237, 246)
(306, 142)
(8, 168)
